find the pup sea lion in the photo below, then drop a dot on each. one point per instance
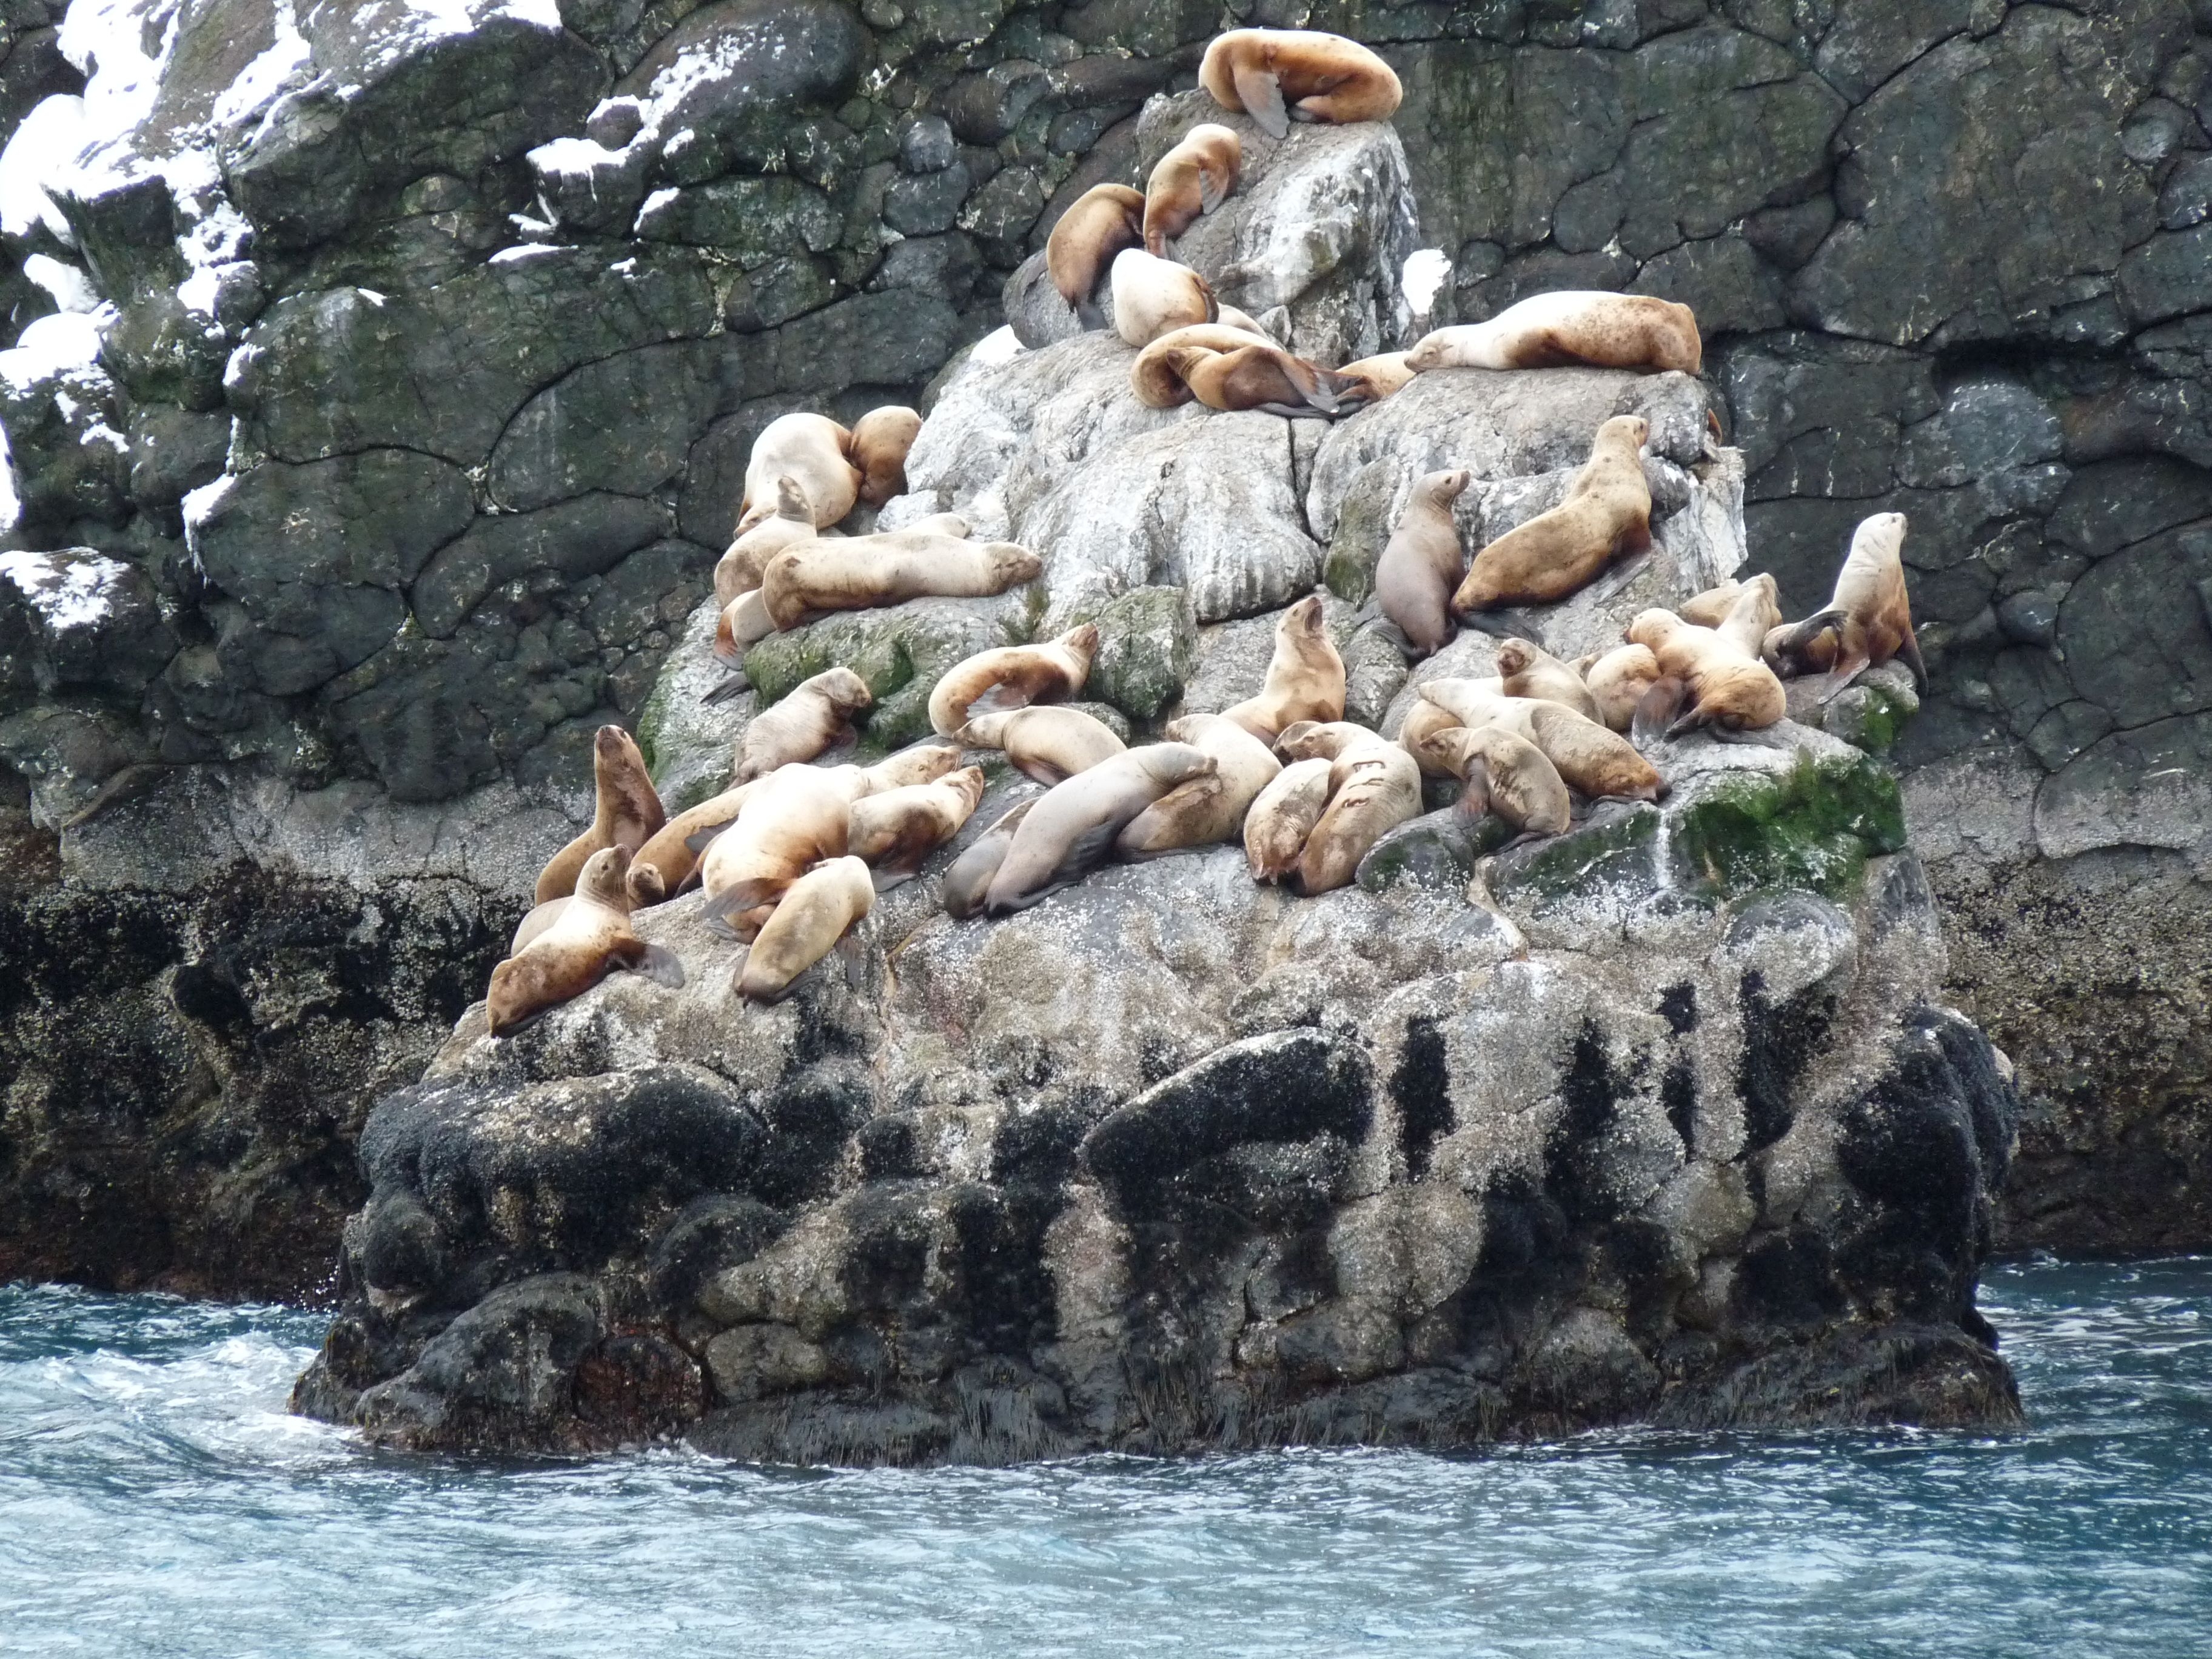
(1551, 330)
(817, 911)
(1012, 677)
(863, 572)
(1373, 788)
(625, 812)
(1726, 689)
(1098, 226)
(1048, 744)
(970, 879)
(738, 570)
(810, 448)
(1529, 671)
(1196, 177)
(809, 718)
(1617, 682)
(1305, 676)
(1072, 826)
(894, 831)
(880, 441)
(1266, 378)
(586, 940)
(1384, 375)
(1278, 75)
(1867, 621)
(1607, 513)
(1209, 809)
(1422, 562)
(1154, 381)
(1154, 296)
(1280, 820)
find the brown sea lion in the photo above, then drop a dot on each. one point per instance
(1048, 744)
(1510, 776)
(738, 570)
(1745, 611)
(1867, 621)
(1607, 513)
(1209, 809)
(1373, 788)
(810, 448)
(1280, 76)
(811, 717)
(1552, 331)
(1154, 296)
(817, 912)
(1266, 378)
(1196, 177)
(1158, 385)
(1283, 816)
(625, 812)
(1012, 677)
(1384, 375)
(1305, 676)
(1422, 562)
(968, 880)
(863, 572)
(1098, 226)
(880, 441)
(1726, 689)
(1071, 828)
(1588, 755)
(587, 938)
(800, 816)
(1617, 682)
(1529, 671)
(894, 831)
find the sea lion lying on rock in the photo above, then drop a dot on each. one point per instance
(1726, 689)
(813, 715)
(1048, 744)
(1070, 829)
(1267, 379)
(1155, 379)
(1098, 226)
(575, 948)
(811, 449)
(1607, 513)
(878, 447)
(1280, 76)
(862, 572)
(896, 829)
(1012, 677)
(1209, 809)
(1194, 177)
(1154, 296)
(817, 912)
(1554, 331)
(1283, 816)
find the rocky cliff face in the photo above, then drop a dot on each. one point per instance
(383, 377)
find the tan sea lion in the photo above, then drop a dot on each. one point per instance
(1867, 621)
(810, 448)
(588, 938)
(864, 572)
(1384, 375)
(1417, 736)
(880, 441)
(1327, 739)
(800, 816)
(1154, 296)
(1196, 177)
(1373, 788)
(1551, 330)
(1744, 611)
(1266, 378)
(817, 911)
(1209, 809)
(1510, 776)
(625, 812)
(743, 623)
(1048, 744)
(1280, 76)
(1726, 689)
(811, 717)
(1617, 682)
(894, 831)
(1071, 828)
(1280, 820)
(1607, 513)
(1529, 671)
(738, 570)
(1305, 676)
(968, 880)
(1588, 755)
(1469, 702)
(1158, 385)
(1098, 226)
(1422, 562)
(1012, 677)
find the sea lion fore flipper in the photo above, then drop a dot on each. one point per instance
(1261, 95)
(731, 685)
(661, 965)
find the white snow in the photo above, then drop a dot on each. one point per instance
(66, 343)
(107, 40)
(998, 346)
(44, 148)
(68, 286)
(11, 505)
(1426, 271)
(71, 592)
(520, 252)
(370, 294)
(261, 80)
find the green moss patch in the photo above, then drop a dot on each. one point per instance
(1608, 849)
(900, 653)
(1813, 827)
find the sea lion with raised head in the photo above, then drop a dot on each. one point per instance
(894, 831)
(968, 880)
(811, 717)
(1305, 676)
(1867, 621)
(1373, 788)
(1154, 296)
(625, 812)
(1744, 612)
(1012, 677)
(878, 446)
(1071, 828)
(1267, 379)
(1098, 226)
(1422, 562)
(578, 946)
(1554, 331)
(1283, 816)
(1725, 688)
(810, 448)
(865, 572)
(1617, 682)
(817, 911)
(1510, 776)
(1154, 381)
(1205, 810)
(1047, 743)
(1529, 671)
(738, 570)
(1280, 76)
(1607, 513)
(1194, 177)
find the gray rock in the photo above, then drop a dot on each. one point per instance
(75, 621)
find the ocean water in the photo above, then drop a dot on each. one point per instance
(155, 1500)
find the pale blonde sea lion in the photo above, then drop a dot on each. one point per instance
(1373, 788)
(1470, 701)
(1154, 296)
(1384, 374)
(1529, 671)
(1552, 331)
(1607, 513)
(1418, 732)
(1617, 682)
(588, 938)
(1209, 809)
(1012, 677)
(817, 912)
(1194, 177)
(1422, 562)
(1084, 240)
(1266, 378)
(1071, 828)
(738, 570)
(1281, 76)
(1154, 381)
(1743, 612)
(1725, 688)
(1283, 816)
(625, 812)
(1510, 776)
(800, 816)
(894, 830)
(877, 447)
(811, 717)
(810, 448)
(1867, 621)
(743, 623)
(1047, 743)
(1305, 676)
(863, 572)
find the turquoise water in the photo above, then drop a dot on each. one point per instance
(155, 1500)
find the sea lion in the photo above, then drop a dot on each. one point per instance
(1154, 296)
(1098, 226)
(1469, 702)
(1384, 374)
(1305, 676)
(817, 911)
(1196, 177)
(1551, 330)
(1158, 385)
(1588, 755)
(1048, 744)
(1422, 562)
(880, 441)
(864, 572)
(1867, 621)
(1266, 378)
(1510, 776)
(1072, 826)
(1617, 682)
(1745, 611)
(811, 717)
(800, 816)
(1725, 688)
(810, 448)
(894, 831)
(743, 623)
(1280, 820)
(1417, 736)
(1209, 809)
(1529, 671)
(1012, 677)
(1607, 513)
(625, 812)
(1327, 740)
(738, 570)
(589, 937)
(1373, 788)
(1280, 76)
(968, 880)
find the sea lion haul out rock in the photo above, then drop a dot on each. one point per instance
(1209, 809)
(626, 810)
(1510, 776)
(588, 938)
(1012, 677)
(1280, 76)
(1554, 331)
(1607, 513)
(1725, 688)
(817, 911)
(1156, 383)
(864, 572)
(1422, 562)
(1047, 743)
(1867, 621)
(1194, 177)
(1098, 226)
(1617, 682)
(1267, 379)
(811, 717)
(1280, 820)
(738, 570)
(1529, 671)
(810, 448)
(1305, 676)
(880, 441)
(896, 829)
(1374, 786)
(1154, 296)
(1071, 828)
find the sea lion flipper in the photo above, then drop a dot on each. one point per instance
(1043, 771)
(1212, 189)
(1085, 853)
(1089, 314)
(731, 685)
(1261, 95)
(1910, 650)
(1846, 670)
(696, 842)
(999, 699)
(1504, 625)
(661, 965)
(1607, 585)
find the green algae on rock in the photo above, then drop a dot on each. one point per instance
(1814, 826)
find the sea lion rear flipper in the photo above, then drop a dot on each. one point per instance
(687, 884)
(1606, 586)
(1762, 737)
(661, 965)
(1297, 411)
(1261, 95)
(696, 842)
(884, 880)
(1846, 670)
(1799, 639)
(1390, 631)
(1910, 650)
(1504, 625)
(854, 955)
(1042, 771)
(999, 699)
(1655, 712)
(731, 685)
(1085, 853)
(1088, 313)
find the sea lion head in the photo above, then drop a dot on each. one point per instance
(602, 877)
(925, 762)
(1303, 617)
(987, 731)
(1445, 487)
(1011, 563)
(1651, 628)
(1628, 431)
(1296, 740)
(970, 781)
(611, 746)
(1081, 642)
(844, 689)
(1431, 351)
(1883, 529)
(1515, 657)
